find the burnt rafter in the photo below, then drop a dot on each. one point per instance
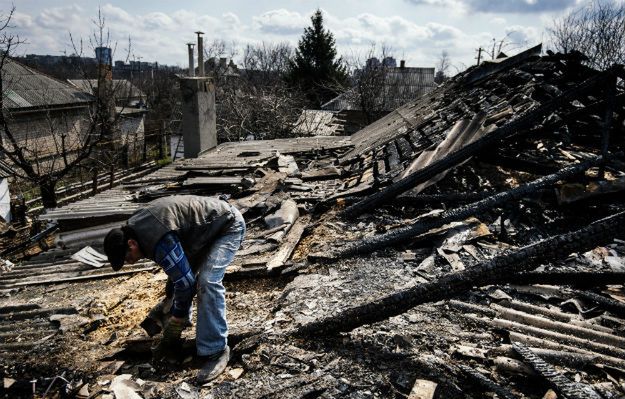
(569, 389)
(403, 234)
(486, 383)
(506, 131)
(500, 269)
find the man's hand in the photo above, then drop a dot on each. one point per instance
(170, 343)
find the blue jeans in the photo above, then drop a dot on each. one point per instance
(211, 334)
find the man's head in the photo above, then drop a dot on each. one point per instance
(121, 246)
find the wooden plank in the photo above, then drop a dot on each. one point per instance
(290, 242)
(78, 278)
(423, 389)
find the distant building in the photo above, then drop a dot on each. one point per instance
(44, 114)
(220, 67)
(134, 69)
(399, 85)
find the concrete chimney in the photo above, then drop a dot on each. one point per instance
(199, 129)
(402, 64)
(200, 54)
(191, 64)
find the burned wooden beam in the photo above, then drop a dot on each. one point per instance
(403, 234)
(486, 383)
(421, 199)
(497, 270)
(612, 305)
(568, 388)
(508, 130)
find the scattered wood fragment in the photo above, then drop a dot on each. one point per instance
(486, 383)
(288, 246)
(423, 389)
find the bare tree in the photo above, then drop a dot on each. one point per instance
(256, 100)
(374, 90)
(596, 29)
(46, 147)
(442, 67)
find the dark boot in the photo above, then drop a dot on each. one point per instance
(213, 366)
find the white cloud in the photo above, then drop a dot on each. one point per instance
(523, 35)
(22, 21)
(60, 17)
(281, 21)
(501, 6)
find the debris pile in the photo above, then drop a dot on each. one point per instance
(469, 244)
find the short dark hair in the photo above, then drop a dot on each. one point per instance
(116, 245)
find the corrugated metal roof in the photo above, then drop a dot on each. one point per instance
(25, 87)
(123, 88)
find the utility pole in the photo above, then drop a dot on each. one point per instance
(479, 55)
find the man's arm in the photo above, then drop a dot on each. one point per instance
(170, 255)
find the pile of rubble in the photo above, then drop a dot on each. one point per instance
(469, 244)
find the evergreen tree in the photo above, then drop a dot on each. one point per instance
(315, 68)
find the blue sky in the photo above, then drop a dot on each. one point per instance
(415, 30)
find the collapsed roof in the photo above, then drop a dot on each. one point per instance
(498, 193)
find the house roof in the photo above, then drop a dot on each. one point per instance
(26, 88)
(122, 88)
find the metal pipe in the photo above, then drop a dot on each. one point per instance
(191, 65)
(200, 54)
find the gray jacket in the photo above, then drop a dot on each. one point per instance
(197, 221)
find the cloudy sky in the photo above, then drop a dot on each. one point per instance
(416, 30)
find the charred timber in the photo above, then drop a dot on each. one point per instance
(611, 305)
(515, 127)
(403, 234)
(498, 270)
(568, 388)
(421, 199)
(486, 383)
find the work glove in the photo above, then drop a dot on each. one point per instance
(170, 344)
